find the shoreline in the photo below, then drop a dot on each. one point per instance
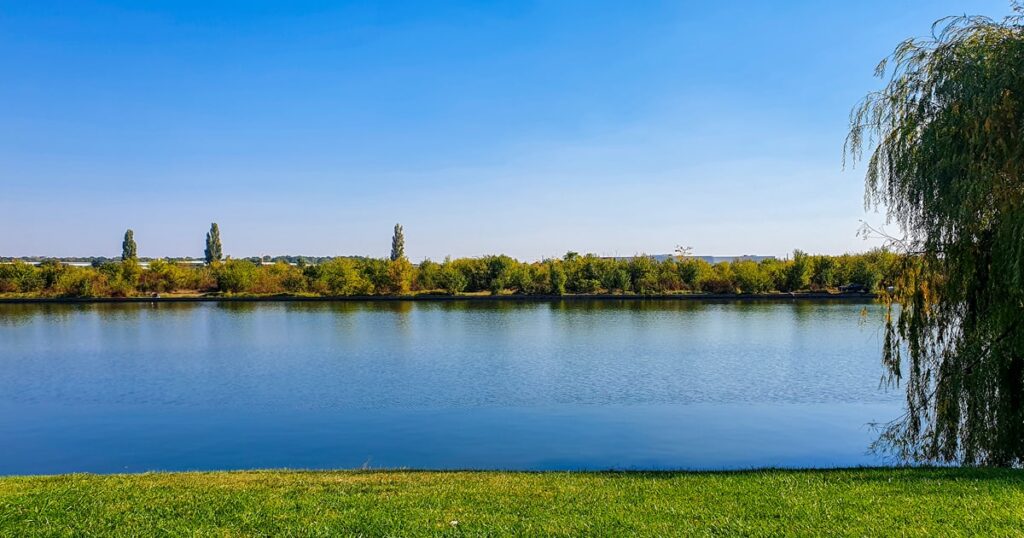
(613, 471)
(697, 297)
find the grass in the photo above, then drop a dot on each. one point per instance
(876, 502)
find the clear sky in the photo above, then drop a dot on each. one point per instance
(526, 128)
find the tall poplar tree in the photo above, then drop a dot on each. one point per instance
(213, 251)
(128, 247)
(398, 244)
(946, 142)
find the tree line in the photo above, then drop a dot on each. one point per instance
(495, 274)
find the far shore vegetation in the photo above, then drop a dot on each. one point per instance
(495, 274)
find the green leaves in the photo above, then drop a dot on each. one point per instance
(128, 247)
(947, 163)
(213, 251)
(398, 244)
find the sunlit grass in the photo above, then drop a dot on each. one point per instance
(926, 502)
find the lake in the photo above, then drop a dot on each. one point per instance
(652, 384)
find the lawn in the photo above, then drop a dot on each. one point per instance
(925, 502)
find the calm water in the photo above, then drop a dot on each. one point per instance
(530, 385)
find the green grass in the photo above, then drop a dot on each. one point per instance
(857, 502)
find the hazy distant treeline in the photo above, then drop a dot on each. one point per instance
(572, 274)
(96, 261)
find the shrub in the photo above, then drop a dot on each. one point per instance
(79, 282)
(235, 276)
(451, 279)
(751, 277)
(160, 277)
(428, 275)
(558, 279)
(20, 277)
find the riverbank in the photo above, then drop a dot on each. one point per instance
(824, 296)
(870, 502)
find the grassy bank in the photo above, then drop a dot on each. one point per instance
(926, 502)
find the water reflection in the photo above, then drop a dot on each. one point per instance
(619, 383)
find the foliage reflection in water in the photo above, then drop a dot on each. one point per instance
(502, 384)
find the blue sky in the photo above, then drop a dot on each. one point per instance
(528, 128)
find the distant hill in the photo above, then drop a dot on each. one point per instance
(95, 261)
(709, 259)
(85, 261)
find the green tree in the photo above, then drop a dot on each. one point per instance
(583, 273)
(128, 247)
(400, 276)
(290, 277)
(946, 143)
(693, 272)
(121, 279)
(823, 274)
(451, 279)
(398, 244)
(721, 280)
(428, 275)
(213, 251)
(617, 279)
(863, 272)
(751, 277)
(377, 272)
(498, 272)
(340, 276)
(798, 273)
(235, 276)
(160, 277)
(520, 278)
(643, 274)
(558, 278)
(19, 277)
(78, 282)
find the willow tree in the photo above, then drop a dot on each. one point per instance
(946, 142)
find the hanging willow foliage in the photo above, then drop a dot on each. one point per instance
(946, 141)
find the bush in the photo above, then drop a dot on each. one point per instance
(557, 278)
(160, 277)
(20, 277)
(400, 277)
(751, 277)
(235, 276)
(643, 274)
(823, 274)
(451, 278)
(340, 276)
(428, 275)
(79, 282)
(694, 272)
